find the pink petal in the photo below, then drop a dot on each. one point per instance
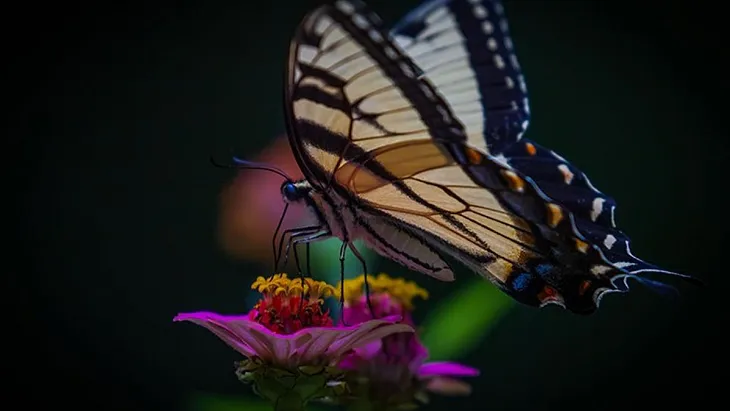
(367, 332)
(319, 343)
(304, 346)
(370, 350)
(335, 342)
(435, 369)
(257, 336)
(217, 325)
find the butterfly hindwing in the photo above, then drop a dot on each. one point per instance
(593, 211)
(465, 50)
(462, 202)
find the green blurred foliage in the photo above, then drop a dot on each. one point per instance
(326, 265)
(462, 320)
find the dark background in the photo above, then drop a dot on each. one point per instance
(117, 108)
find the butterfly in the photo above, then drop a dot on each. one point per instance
(411, 140)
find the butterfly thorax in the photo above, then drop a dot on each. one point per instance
(333, 211)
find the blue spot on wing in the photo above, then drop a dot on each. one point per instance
(521, 282)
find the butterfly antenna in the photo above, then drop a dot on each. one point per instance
(251, 165)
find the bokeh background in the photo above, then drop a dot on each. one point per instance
(123, 222)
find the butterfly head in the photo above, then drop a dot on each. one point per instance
(295, 191)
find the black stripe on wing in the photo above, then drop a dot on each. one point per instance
(465, 50)
(331, 139)
(347, 82)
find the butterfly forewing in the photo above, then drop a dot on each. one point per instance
(350, 90)
(465, 50)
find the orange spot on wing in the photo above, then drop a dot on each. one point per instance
(474, 156)
(531, 150)
(555, 215)
(515, 182)
(582, 246)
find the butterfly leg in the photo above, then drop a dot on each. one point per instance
(273, 238)
(343, 248)
(292, 232)
(306, 238)
(365, 275)
(303, 236)
(309, 259)
(294, 235)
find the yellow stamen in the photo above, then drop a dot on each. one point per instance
(280, 284)
(397, 288)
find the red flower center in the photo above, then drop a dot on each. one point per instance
(284, 314)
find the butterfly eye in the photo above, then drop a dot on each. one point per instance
(290, 192)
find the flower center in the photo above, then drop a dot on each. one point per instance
(289, 305)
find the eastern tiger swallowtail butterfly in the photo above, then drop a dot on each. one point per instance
(411, 140)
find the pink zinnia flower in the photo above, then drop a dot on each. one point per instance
(290, 345)
(392, 372)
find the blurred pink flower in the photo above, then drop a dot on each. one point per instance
(393, 371)
(251, 205)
